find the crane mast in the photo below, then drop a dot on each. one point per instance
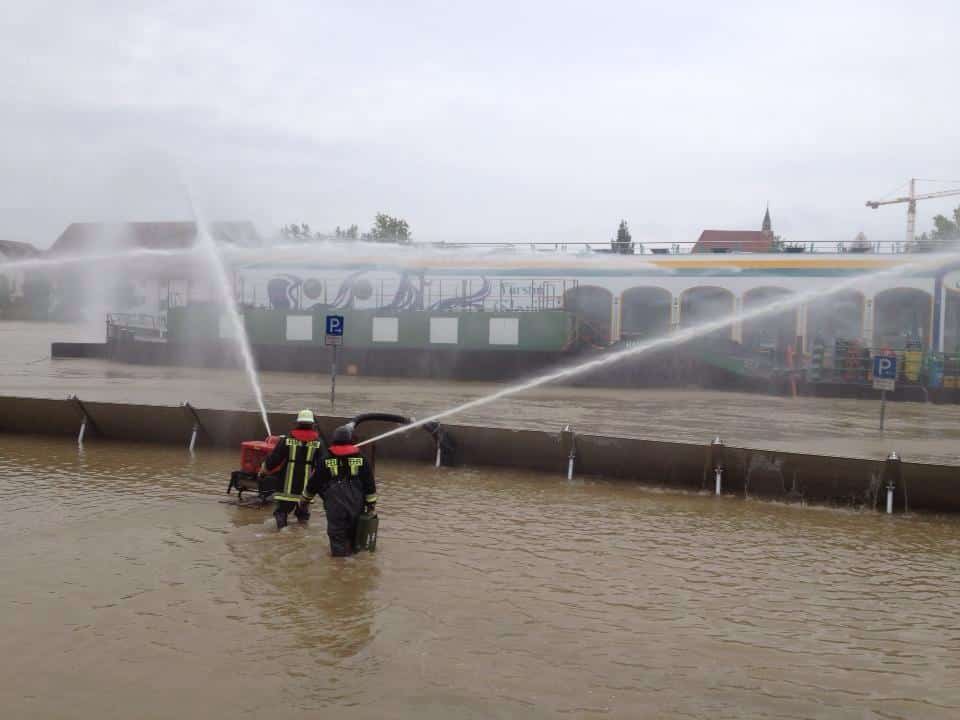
(912, 213)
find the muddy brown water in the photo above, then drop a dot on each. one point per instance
(131, 590)
(919, 432)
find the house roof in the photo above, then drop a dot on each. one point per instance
(105, 237)
(758, 241)
(12, 249)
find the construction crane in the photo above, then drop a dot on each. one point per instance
(911, 201)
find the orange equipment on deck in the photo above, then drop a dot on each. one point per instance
(254, 452)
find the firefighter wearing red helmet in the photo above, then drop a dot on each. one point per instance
(344, 481)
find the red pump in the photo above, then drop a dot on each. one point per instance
(254, 452)
(252, 455)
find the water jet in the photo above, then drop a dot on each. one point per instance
(209, 247)
(682, 336)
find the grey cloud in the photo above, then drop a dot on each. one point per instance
(493, 121)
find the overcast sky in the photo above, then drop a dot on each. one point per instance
(479, 121)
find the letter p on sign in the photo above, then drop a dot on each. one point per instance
(884, 367)
(334, 324)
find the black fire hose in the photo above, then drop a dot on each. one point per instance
(443, 439)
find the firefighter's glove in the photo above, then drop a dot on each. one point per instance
(371, 508)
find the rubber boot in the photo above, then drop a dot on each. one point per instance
(302, 513)
(281, 518)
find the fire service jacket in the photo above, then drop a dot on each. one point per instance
(345, 483)
(293, 462)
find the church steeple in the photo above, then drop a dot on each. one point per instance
(767, 226)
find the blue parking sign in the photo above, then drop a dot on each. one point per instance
(335, 325)
(884, 367)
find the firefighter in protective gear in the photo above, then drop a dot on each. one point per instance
(290, 466)
(345, 483)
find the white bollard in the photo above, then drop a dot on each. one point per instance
(439, 455)
(568, 442)
(716, 459)
(893, 476)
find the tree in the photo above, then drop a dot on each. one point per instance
(946, 232)
(623, 244)
(387, 229)
(351, 233)
(298, 233)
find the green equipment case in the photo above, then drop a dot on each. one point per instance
(366, 538)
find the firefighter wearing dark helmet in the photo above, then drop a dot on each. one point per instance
(345, 483)
(290, 466)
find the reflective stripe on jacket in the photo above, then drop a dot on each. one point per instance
(300, 462)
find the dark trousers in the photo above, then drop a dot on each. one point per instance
(341, 542)
(342, 503)
(286, 507)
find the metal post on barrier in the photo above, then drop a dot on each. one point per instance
(85, 420)
(196, 427)
(893, 476)
(437, 439)
(716, 462)
(195, 430)
(443, 443)
(568, 443)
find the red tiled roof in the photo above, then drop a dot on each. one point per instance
(13, 249)
(756, 241)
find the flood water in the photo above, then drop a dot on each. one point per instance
(131, 590)
(919, 432)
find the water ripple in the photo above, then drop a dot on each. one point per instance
(493, 595)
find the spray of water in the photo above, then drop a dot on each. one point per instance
(681, 336)
(41, 263)
(208, 246)
(332, 254)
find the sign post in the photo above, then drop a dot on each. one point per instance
(884, 378)
(333, 338)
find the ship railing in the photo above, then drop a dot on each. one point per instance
(135, 324)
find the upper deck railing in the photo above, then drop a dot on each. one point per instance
(686, 247)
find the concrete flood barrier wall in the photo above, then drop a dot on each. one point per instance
(753, 472)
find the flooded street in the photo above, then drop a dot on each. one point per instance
(133, 591)
(920, 432)
(655, 231)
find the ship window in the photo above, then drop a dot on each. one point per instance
(504, 331)
(443, 330)
(386, 329)
(299, 327)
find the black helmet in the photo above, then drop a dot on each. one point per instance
(343, 435)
